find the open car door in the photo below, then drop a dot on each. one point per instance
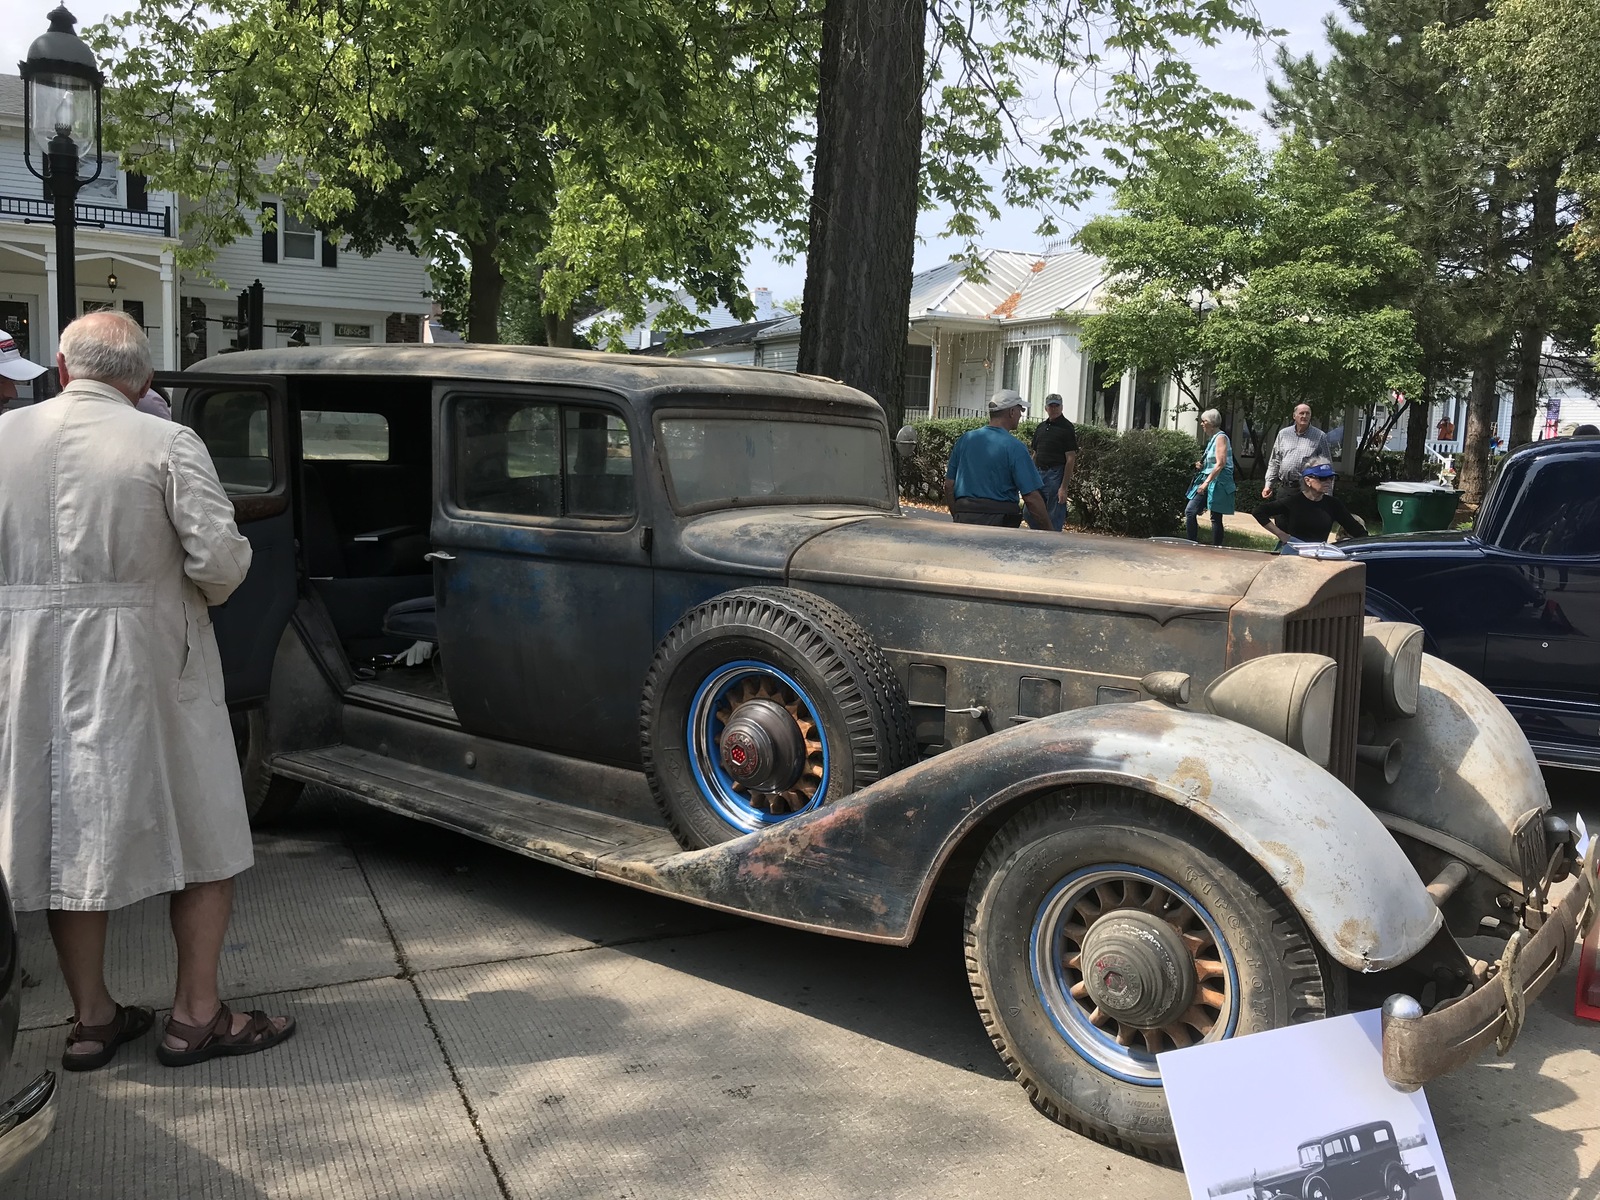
(244, 422)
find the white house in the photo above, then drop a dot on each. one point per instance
(126, 257)
(1018, 327)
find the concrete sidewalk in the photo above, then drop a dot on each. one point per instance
(474, 1024)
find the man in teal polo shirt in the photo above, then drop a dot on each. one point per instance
(990, 471)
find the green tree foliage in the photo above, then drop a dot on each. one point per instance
(1264, 277)
(1486, 218)
(591, 148)
(1536, 64)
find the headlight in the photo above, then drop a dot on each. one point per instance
(1286, 696)
(1391, 668)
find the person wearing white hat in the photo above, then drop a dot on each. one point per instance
(14, 369)
(991, 472)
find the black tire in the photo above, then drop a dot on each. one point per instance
(860, 709)
(1316, 1188)
(267, 797)
(1397, 1182)
(1268, 968)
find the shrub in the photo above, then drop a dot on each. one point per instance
(1132, 483)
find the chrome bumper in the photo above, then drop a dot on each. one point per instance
(1418, 1047)
(26, 1120)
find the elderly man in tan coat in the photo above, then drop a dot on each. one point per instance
(118, 775)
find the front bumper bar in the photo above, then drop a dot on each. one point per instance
(1417, 1048)
(26, 1120)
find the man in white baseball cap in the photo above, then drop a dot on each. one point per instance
(990, 478)
(14, 369)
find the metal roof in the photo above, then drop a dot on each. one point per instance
(1016, 286)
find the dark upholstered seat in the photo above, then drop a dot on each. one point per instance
(414, 619)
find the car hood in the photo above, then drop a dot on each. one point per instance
(1431, 542)
(1067, 570)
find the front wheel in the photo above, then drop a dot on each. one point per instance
(1104, 928)
(1397, 1182)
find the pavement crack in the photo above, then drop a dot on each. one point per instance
(407, 974)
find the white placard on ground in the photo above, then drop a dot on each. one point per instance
(1301, 1113)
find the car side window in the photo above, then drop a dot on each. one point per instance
(1333, 1148)
(234, 427)
(1380, 1135)
(531, 458)
(1355, 1143)
(1557, 513)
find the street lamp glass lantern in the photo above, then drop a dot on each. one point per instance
(61, 95)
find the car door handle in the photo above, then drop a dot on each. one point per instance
(438, 556)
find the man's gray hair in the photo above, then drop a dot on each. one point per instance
(1212, 418)
(108, 347)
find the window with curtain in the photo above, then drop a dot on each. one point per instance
(1011, 369)
(1038, 375)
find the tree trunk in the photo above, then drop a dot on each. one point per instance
(1419, 426)
(484, 290)
(558, 330)
(864, 196)
(1542, 248)
(1525, 392)
(1472, 472)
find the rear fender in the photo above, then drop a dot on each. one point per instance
(867, 865)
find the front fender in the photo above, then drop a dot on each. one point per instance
(866, 865)
(1467, 772)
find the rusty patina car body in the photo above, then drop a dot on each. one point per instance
(688, 641)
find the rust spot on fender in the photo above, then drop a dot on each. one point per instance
(1356, 937)
(1287, 866)
(1193, 778)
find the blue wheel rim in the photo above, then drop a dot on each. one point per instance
(704, 732)
(1069, 908)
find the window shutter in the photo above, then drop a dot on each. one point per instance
(330, 252)
(138, 193)
(269, 237)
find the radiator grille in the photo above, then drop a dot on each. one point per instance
(1334, 628)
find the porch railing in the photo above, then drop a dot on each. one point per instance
(102, 216)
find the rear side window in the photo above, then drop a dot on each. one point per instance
(1557, 511)
(233, 425)
(352, 436)
(531, 458)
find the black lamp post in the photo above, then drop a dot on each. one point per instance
(60, 113)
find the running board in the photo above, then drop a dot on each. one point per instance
(576, 838)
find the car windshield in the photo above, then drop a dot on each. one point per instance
(1310, 1154)
(713, 461)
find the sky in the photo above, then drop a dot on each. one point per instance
(1235, 66)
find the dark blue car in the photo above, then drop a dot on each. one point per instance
(1515, 601)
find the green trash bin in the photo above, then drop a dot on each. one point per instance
(1409, 507)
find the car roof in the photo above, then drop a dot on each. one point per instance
(1587, 444)
(642, 378)
(1348, 1129)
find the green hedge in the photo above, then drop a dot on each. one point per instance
(1132, 483)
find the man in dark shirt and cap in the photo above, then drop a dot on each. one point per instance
(1055, 453)
(990, 472)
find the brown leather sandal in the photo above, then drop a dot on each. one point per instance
(128, 1024)
(216, 1039)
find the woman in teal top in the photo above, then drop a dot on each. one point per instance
(1213, 486)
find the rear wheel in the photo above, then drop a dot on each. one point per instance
(267, 797)
(1104, 928)
(762, 704)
